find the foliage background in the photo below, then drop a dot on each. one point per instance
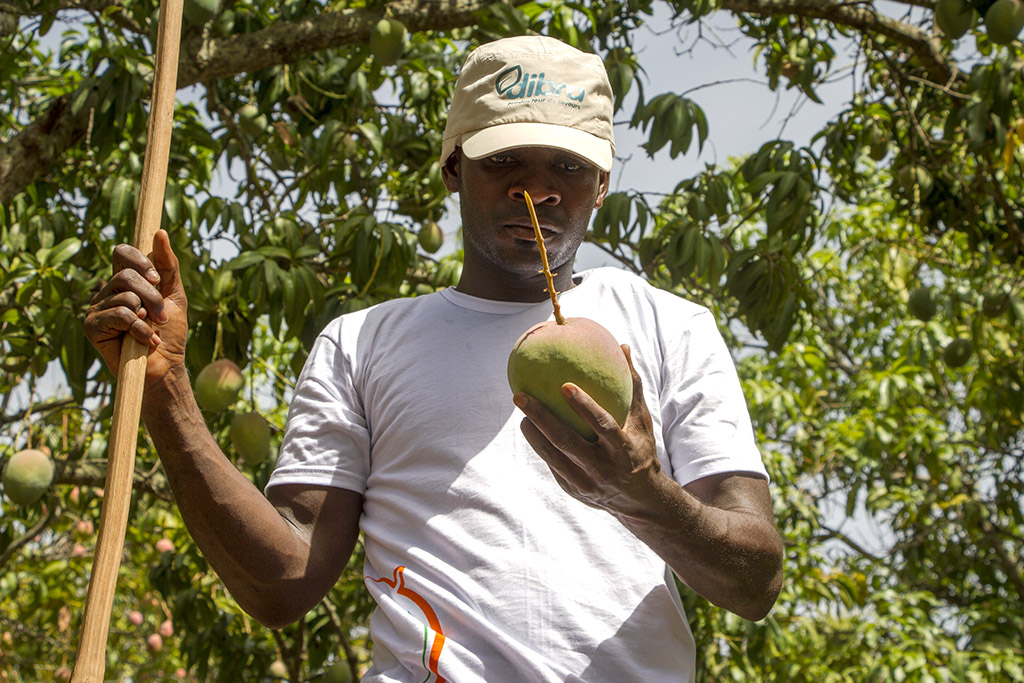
(806, 251)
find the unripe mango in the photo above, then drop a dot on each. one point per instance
(1004, 21)
(338, 672)
(250, 435)
(581, 351)
(27, 475)
(921, 304)
(431, 237)
(958, 352)
(217, 385)
(387, 41)
(954, 17)
(198, 12)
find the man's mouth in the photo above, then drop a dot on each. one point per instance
(524, 229)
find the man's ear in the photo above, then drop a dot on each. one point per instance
(450, 171)
(603, 181)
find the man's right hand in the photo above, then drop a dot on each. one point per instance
(145, 299)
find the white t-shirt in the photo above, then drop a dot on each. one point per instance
(483, 569)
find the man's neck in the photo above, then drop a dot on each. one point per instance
(525, 290)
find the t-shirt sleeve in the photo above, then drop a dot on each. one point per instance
(704, 414)
(326, 441)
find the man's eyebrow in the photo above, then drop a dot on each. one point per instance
(580, 161)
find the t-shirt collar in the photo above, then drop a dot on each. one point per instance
(480, 305)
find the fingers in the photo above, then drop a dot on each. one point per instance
(132, 299)
(119, 313)
(599, 419)
(609, 473)
(567, 472)
(553, 430)
(639, 415)
(127, 300)
(540, 443)
(129, 289)
(127, 257)
(148, 280)
(165, 262)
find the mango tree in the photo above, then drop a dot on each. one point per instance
(304, 183)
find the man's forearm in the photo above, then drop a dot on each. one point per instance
(254, 550)
(730, 553)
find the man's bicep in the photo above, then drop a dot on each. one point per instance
(327, 517)
(737, 491)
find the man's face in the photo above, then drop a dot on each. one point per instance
(497, 232)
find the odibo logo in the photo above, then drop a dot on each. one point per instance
(514, 84)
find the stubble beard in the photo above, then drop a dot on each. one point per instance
(523, 263)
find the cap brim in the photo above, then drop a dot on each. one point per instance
(487, 141)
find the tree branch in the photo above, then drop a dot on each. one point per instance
(37, 147)
(287, 42)
(93, 474)
(9, 14)
(836, 534)
(30, 534)
(865, 18)
(55, 404)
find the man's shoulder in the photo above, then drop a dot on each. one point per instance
(621, 281)
(382, 313)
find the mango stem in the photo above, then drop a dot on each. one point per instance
(559, 318)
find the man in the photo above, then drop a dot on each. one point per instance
(500, 545)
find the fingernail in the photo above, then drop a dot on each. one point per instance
(161, 316)
(519, 400)
(569, 390)
(153, 276)
(155, 339)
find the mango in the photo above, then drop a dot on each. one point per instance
(250, 435)
(217, 385)
(431, 237)
(581, 351)
(958, 352)
(1004, 21)
(27, 476)
(387, 41)
(338, 672)
(954, 17)
(198, 12)
(921, 304)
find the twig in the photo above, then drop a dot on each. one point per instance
(559, 318)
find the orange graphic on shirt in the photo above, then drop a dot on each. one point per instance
(398, 582)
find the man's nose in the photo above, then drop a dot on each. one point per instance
(540, 191)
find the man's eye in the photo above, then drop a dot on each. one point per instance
(501, 158)
(573, 165)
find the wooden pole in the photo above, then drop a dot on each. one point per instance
(92, 650)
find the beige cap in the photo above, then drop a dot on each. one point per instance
(531, 91)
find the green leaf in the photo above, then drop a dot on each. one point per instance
(82, 95)
(246, 260)
(371, 133)
(173, 202)
(63, 252)
(121, 199)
